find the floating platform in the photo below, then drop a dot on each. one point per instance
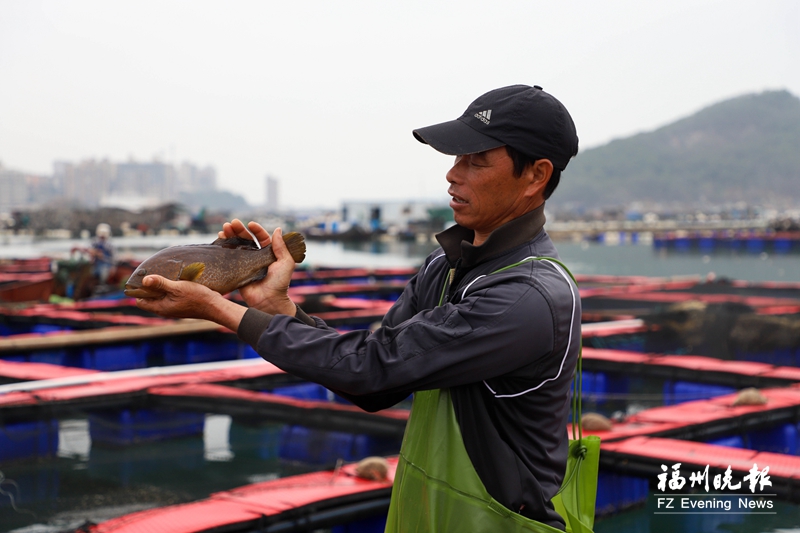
(311, 413)
(194, 388)
(319, 276)
(103, 341)
(708, 419)
(644, 303)
(773, 289)
(382, 290)
(306, 502)
(723, 335)
(123, 347)
(12, 371)
(48, 398)
(689, 368)
(600, 285)
(738, 241)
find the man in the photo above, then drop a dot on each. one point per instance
(485, 337)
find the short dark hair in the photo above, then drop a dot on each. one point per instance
(521, 161)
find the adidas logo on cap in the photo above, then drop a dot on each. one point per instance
(484, 116)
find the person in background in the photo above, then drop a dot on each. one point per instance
(486, 335)
(102, 253)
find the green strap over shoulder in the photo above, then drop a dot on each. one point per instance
(575, 500)
(577, 396)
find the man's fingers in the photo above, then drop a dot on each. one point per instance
(227, 231)
(259, 233)
(240, 229)
(236, 228)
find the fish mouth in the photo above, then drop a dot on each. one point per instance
(141, 292)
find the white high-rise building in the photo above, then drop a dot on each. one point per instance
(272, 194)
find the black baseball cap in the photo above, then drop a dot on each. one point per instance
(525, 118)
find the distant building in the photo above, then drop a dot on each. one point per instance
(19, 190)
(193, 179)
(101, 183)
(272, 202)
(145, 180)
(42, 190)
(87, 182)
(13, 190)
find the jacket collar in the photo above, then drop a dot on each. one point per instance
(456, 241)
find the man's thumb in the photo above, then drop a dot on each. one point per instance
(156, 282)
(279, 246)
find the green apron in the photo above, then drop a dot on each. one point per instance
(437, 489)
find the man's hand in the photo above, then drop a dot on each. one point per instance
(271, 294)
(186, 299)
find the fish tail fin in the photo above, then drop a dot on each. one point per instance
(296, 244)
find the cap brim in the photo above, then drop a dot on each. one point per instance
(455, 138)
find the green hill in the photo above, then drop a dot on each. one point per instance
(743, 149)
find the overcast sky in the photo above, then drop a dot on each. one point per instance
(323, 95)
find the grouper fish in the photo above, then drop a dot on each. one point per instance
(222, 266)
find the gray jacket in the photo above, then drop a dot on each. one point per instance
(505, 344)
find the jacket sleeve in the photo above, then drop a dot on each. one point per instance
(404, 308)
(492, 331)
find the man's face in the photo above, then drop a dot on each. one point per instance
(485, 193)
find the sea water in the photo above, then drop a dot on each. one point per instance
(644, 260)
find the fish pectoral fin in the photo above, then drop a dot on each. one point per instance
(192, 271)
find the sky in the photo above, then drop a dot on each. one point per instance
(323, 95)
